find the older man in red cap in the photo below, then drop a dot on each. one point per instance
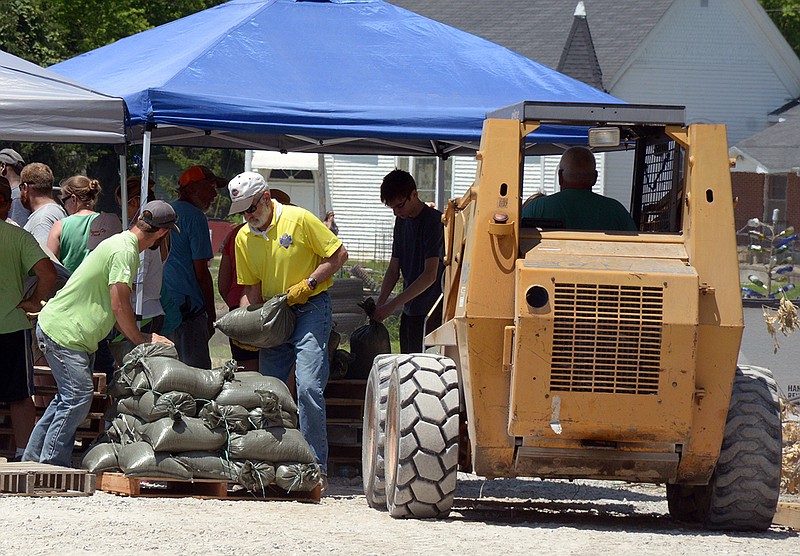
(187, 279)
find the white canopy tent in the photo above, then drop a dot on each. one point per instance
(39, 105)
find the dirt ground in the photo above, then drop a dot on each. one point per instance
(500, 517)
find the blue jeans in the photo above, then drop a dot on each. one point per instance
(308, 348)
(53, 437)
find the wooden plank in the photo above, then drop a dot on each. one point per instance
(118, 483)
(160, 487)
(787, 515)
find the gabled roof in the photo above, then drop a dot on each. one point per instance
(776, 150)
(579, 59)
(538, 29)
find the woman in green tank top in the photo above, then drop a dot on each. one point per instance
(68, 237)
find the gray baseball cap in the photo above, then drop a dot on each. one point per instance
(160, 215)
(12, 157)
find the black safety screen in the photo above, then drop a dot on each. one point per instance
(658, 185)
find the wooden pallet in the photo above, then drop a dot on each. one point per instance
(787, 515)
(118, 483)
(344, 401)
(46, 389)
(40, 479)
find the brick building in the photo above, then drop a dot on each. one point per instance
(767, 172)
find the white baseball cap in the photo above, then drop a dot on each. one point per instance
(243, 189)
(104, 225)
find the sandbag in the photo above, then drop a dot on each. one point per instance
(233, 418)
(189, 434)
(275, 444)
(101, 457)
(139, 459)
(123, 429)
(210, 465)
(151, 407)
(119, 349)
(120, 385)
(164, 374)
(367, 342)
(250, 389)
(297, 477)
(264, 418)
(340, 364)
(255, 476)
(263, 325)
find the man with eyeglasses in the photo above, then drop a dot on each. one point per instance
(417, 251)
(287, 249)
(187, 279)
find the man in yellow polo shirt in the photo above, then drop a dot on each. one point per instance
(286, 249)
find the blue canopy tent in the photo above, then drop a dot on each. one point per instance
(343, 76)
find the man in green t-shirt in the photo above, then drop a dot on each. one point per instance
(97, 295)
(20, 256)
(576, 206)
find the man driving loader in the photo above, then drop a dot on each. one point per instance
(576, 205)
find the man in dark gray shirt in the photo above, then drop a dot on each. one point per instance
(417, 251)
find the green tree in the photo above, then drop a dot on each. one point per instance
(46, 32)
(786, 16)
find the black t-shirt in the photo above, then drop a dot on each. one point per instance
(417, 239)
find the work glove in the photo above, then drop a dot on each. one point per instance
(299, 293)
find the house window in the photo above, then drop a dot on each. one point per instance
(306, 175)
(776, 198)
(424, 171)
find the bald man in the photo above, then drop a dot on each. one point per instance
(576, 205)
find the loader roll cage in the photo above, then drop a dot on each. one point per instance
(656, 189)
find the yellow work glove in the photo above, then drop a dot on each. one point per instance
(299, 293)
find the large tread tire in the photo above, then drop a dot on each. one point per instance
(346, 323)
(374, 429)
(743, 492)
(422, 427)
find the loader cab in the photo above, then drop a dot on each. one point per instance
(654, 163)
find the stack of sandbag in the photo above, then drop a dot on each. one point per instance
(170, 420)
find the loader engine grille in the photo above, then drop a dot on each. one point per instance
(607, 338)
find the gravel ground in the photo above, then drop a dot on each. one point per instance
(505, 516)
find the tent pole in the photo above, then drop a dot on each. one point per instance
(441, 196)
(248, 160)
(145, 177)
(323, 192)
(144, 186)
(123, 181)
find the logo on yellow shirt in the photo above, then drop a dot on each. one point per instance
(285, 241)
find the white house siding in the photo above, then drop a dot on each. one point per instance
(539, 174)
(365, 224)
(617, 181)
(715, 60)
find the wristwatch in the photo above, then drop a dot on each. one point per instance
(312, 283)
